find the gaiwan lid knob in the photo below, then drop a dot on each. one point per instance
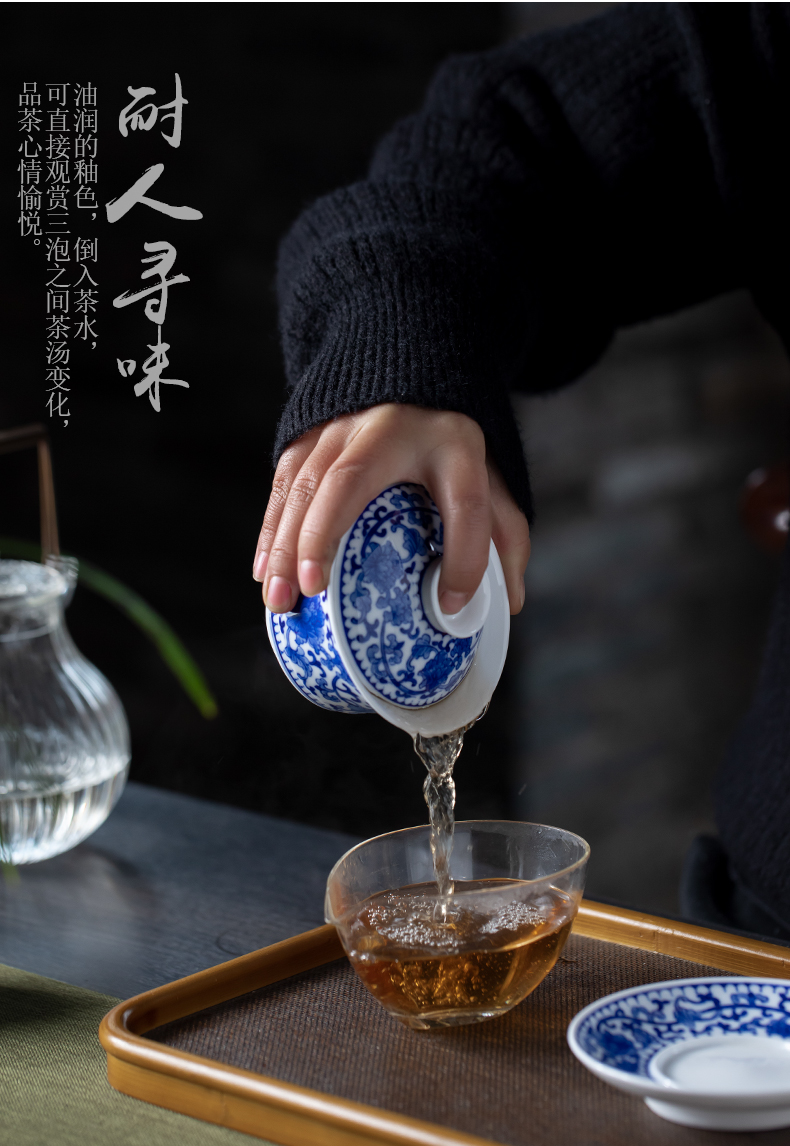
(467, 621)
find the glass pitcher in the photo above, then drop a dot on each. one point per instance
(64, 740)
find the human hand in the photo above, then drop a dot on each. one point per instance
(326, 478)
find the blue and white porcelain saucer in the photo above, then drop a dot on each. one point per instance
(712, 1052)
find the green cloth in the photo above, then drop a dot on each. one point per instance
(53, 1076)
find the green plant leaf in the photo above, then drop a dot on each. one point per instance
(154, 626)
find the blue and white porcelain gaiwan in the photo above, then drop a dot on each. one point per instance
(376, 639)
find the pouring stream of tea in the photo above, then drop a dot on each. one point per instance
(439, 754)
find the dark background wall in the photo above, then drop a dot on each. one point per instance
(646, 603)
(636, 654)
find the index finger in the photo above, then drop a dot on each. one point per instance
(360, 473)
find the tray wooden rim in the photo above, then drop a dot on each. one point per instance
(299, 1116)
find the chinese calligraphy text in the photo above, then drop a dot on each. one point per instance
(58, 172)
(143, 116)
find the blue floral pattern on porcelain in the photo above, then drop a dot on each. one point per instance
(625, 1033)
(401, 656)
(396, 651)
(305, 647)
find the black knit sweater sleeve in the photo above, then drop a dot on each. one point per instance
(548, 192)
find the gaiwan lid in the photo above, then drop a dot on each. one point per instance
(376, 638)
(398, 648)
(382, 601)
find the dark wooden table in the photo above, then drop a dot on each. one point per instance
(167, 886)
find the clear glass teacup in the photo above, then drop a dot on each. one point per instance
(447, 961)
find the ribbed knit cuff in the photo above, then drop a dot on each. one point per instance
(387, 295)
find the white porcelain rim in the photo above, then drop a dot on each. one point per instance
(677, 1096)
(743, 1120)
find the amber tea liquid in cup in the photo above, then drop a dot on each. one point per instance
(432, 962)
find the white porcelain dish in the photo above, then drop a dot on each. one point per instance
(713, 1053)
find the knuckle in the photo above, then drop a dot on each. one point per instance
(472, 504)
(280, 556)
(310, 539)
(265, 536)
(347, 471)
(304, 489)
(464, 428)
(281, 486)
(314, 543)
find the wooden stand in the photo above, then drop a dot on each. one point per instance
(20, 439)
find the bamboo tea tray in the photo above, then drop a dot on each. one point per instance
(286, 1044)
